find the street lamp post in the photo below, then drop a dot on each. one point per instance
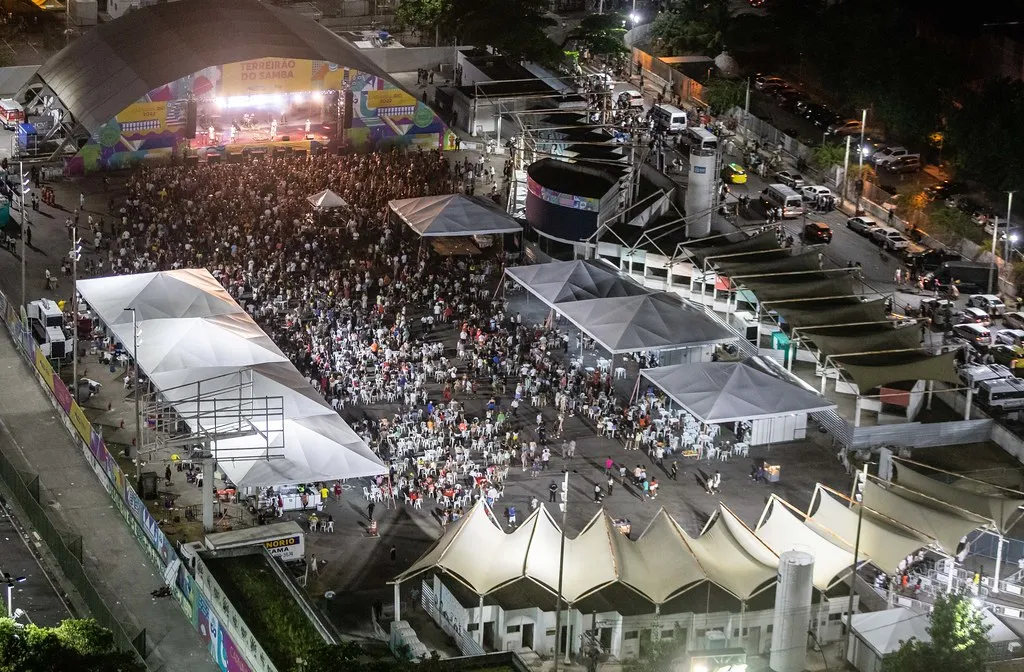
(1010, 238)
(561, 571)
(860, 158)
(135, 394)
(10, 581)
(75, 254)
(24, 246)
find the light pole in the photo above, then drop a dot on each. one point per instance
(10, 581)
(561, 570)
(992, 266)
(135, 394)
(860, 158)
(75, 254)
(858, 498)
(24, 247)
(1010, 238)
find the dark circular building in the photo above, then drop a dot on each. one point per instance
(565, 201)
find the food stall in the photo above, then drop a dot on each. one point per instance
(291, 498)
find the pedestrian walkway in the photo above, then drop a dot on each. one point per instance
(34, 438)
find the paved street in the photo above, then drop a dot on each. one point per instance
(40, 598)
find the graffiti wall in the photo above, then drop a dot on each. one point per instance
(260, 105)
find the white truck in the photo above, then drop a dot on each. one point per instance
(46, 320)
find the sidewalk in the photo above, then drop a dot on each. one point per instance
(35, 439)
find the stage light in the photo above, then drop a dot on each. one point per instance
(298, 99)
(219, 102)
(318, 96)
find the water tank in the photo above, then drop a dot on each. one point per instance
(700, 192)
(792, 612)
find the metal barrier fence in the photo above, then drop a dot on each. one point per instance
(67, 550)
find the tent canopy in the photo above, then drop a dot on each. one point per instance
(658, 321)
(453, 215)
(885, 631)
(804, 285)
(751, 389)
(862, 338)
(734, 245)
(783, 530)
(874, 370)
(836, 311)
(204, 354)
(327, 199)
(579, 280)
(942, 522)
(806, 260)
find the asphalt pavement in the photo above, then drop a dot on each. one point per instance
(38, 596)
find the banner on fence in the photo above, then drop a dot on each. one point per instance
(44, 368)
(81, 423)
(223, 649)
(149, 524)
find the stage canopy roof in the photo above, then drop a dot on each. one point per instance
(327, 199)
(201, 350)
(453, 215)
(562, 281)
(751, 389)
(664, 563)
(114, 64)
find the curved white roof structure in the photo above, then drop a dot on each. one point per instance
(453, 215)
(210, 361)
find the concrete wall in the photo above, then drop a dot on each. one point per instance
(410, 59)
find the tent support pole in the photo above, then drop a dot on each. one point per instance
(967, 406)
(856, 413)
(853, 567)
(561, 570)
(481, 622)
(999, 562)
(398, 601)
(793, 345)
(743, 609)
(931, 393)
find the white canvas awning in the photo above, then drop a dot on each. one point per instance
(559, 282)
(453, 215)
(783, 530)
(227, 379)
(752, 389)
(1003, 510)
(732, 559)
(672, 568)
(326, 200)
(885, 631)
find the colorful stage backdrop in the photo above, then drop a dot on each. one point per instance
(153, 128)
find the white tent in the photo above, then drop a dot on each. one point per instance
(751, 389)
(453, 215)
(782, 530)
(227, 379)
(733, 558)
(659, 321)
(327, 199)
(559, 282)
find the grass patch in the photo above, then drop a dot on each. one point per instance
(274, 618)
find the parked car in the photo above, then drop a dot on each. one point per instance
(790, 100)
(817, 232)
(733, 173)
(790, 178)
(929, 260)
(975, 334)
(911, 163)
(1014, 320)
(990, 303)
(632, 98)
(760, 81)
(973, 316)
(1011, 337)
(868, 149)
(848, 127)
(944, 189)
(1008, 356)
(883, 156)
(862, 225)
(889, 238)
(811, 192)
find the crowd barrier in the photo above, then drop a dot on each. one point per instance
(198, 607)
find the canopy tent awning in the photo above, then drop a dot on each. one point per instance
(660, 321)
(559, 282)
(884, 543)
(805, 285)
(932, 518)
(874, 370)
(886, 631)
(672, 567)
(783, 530)
(862, 338)
(806, 260)
(327, 200)
(751, 389)
(730, 246)
(453, 215)
(228, 380)
(1003, 511)
(837, 311)
(733, 558)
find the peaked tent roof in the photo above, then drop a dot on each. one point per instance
(559, 282)
(666, 550)
(750, 389)
(188, 292)
(649, 322)
(1003, 511)
(453, 215)
(731, 558)
(942, 522)
(782, 530)
(327, 199)
(885, 631)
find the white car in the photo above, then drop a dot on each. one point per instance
(862, 225)
(849, 127)
(884, 156)
(1012, 337)
(636, 99)
(812, 192)
(973, 316)
(790, 179)
(990, 303)
(889, 238)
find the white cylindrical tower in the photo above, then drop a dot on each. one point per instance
(792, 612)
(700, 191)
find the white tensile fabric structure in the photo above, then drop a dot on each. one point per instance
(453, 215)
(781, 529)
(558, 281)
(326, 200)
(885, 631)
(665, 562)
(202, 351)
(751, 389)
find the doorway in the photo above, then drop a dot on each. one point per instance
(567, 634)
(528, 636)
(488, 635)
(605, 637)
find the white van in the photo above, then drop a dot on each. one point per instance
(669, 118)
(781, 196)
(701, 138)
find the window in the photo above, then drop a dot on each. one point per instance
(835, 617)
(683, 280)
(550, 632)
(470, 627)
(735, 632)
(701, 633)
(513, 628)
(769, 629)
(631, 634)
(655, 272)
(668, 634)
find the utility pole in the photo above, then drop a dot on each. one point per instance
(24, 247)
(860, 158)
(992, 266)
(561, 570)
(75, 254)
(858, 498)
(846, 169)
(135, 393)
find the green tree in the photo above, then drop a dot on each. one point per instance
(985, 137)
(429, 17)
(722, 95)
(692, 26)
(602, 34)
(76, 645)
(959, 640)
(951, 225)
(829, 154)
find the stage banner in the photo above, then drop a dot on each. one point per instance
(142, 117)
(80, 422)
(44, 368)
(267, 75)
